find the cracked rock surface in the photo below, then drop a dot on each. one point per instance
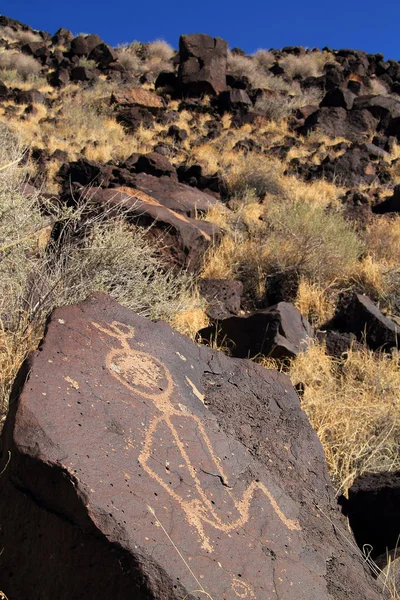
(144, 466)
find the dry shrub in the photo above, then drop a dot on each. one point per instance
(277, 107)
(258, 76)
(25, 37)
(306, 65)
(378, 87)
(130, 61)
(354, 407)
(25, 66)
(160, 51)
(256, 173)
(264, 58)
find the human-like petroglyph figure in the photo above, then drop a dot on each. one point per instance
(148, 377)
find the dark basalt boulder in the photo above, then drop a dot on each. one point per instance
(155, 164)
(373, 511)
(62, 37)
(278, 332)
(83, 45)
(391, 204)
(125, 435)
(103, 55)
(202, 66)
(339, 98)
(361, 316)
(223, 297)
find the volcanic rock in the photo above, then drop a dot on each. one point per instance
(128, 442)
(202, 67)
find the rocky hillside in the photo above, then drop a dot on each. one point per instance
(253, 203)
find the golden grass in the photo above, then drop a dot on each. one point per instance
(354, 406)
(315, 302)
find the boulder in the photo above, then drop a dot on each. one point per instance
(27, 96)
(223, 297)
(278, 332)
(202, 67)
(337, 122)
(62, 37)
(352, 168)
(4, 91)
(339, 98)
(59, 77)
(83, 74)
(373, 511)
(131, 117)
(382, 108)
(86, 172)
(234, 100)
(363, 318)
(389, 205)
(179, 197)
(103, 55)
(177, 133)
(137, 97)
(155, 164)
(83, 45)
(144, 466)
(186, 239)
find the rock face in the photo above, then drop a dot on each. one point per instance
(122, 426)
(202, 68)
(280, 331)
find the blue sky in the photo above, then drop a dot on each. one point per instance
(250, 24)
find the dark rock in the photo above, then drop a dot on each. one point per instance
(155, 164)
(279, 332)
(177, 133)
(131, 117)
(363, 318)
(167, 80)
(382, 108)
(234, 100)
(83, 45)
(355, 87)
(103, 55)
(391, 204)
(240, 82)
(83, 74)
(357, 207)
(247, 145)
(4, 91)
(202, 67)
(374, 151)
(353, 168)
(86, 172)
(339, 98)
(27, 97)
(337, 122)
(35, 49)
(171, 116)
(282, 287)
(337, 344)
(124, 424)
(223, 297)
(62, 37)
(373, 511)
(59, 78)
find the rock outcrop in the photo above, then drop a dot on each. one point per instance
(139, 465)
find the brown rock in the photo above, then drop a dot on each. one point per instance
(138, 97)
(187, 239)
(103, 55)
(83, 45)
(202, 68)
(125, 433)
(223, 297)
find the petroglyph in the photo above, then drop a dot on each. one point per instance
(148, 377)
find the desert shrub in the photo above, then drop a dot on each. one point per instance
(319, 244)
(160, 51)
(254, 173)
(24, 37)
(315, 302)
(354, 407)
(130, 61)
(24, 65)
(85, 62)
(378, 87)
(264, 59)
(277, 107)
(258, 76)
(306, 65)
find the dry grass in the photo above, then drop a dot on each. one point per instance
(306, 65)
(25, 66)
(24, 37)
(257, 74)
(315, 302)
(354, 407)
(278, 107)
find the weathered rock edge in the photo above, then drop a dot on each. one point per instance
(74, 506)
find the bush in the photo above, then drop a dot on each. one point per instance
(24, 65)
(24, 37)
(160, 51)
(264, 59)
(278, 107)
(306, 65)
(255, 173)
(256, 73)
